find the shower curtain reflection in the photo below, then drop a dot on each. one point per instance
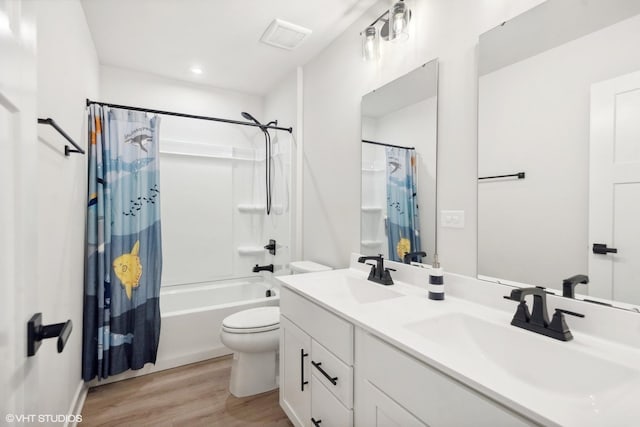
(403, 225)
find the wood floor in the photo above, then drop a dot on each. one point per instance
(192, 395)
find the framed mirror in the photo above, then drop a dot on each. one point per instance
(559, 149)
(399, 164)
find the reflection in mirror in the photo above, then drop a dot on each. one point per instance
(559, 101)
(399, 147)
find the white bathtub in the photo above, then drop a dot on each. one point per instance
(192, 316)
(191, 319)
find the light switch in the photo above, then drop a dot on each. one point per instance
(452, 219)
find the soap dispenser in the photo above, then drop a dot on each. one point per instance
(436, 281)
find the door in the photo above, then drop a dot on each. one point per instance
(18, 374)
(379, 410)
(614, 189)
(295, 373)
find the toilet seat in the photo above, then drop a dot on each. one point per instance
(255, 320)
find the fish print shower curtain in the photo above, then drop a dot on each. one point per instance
(124, 252)
(403, 225)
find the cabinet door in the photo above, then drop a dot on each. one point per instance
(326, 409)
(295, 373)
(379, 410)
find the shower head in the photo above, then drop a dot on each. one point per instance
(251, 118)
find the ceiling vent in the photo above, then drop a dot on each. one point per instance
(284, 34)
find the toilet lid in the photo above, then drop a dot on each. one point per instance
(261, 319)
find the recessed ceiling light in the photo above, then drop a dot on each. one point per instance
(196, 70)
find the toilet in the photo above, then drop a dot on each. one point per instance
(299, 267)
(254, 337)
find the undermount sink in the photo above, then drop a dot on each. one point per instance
(364, 292)
(541, 362)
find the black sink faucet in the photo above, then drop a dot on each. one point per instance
(569, 285)
(259, 268)
(378, 273)
(538, 320)
(410, 256)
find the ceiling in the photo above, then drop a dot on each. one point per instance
(169, 37)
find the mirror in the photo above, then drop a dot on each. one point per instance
(399, 147)
(559, 149)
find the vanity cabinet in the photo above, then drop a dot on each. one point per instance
(335, 375)
(393, 388)
(316, 364)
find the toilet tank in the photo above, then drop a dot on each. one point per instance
(299, 267)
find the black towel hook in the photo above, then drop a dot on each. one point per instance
(36, 332)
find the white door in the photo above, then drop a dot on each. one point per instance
(614, 189)
(295, 373)
(379, 410)
(18, 374)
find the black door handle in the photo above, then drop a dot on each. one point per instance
(332, 380)
(602, 249)
(316, 422)
(302, 381)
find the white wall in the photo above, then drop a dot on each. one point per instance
(67, 74)
(534, 117)
(201, 225)
(281, 103)
(335, 81)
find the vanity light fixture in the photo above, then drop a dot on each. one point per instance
(395, 27)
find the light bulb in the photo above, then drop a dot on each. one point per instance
(369, 44)
(400, 15)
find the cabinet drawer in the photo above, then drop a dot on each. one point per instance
(340, 373)
(434, 398)
(326, 410)
(331, 331)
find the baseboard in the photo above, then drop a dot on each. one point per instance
(75, 410)
(162, 365)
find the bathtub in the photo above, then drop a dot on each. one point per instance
(191, 319)
(192, 316)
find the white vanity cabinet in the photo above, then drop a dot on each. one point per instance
(395, 389)
(316, 364)
(333, 374)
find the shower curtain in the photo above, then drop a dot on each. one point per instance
(124, 256)
(403, 224)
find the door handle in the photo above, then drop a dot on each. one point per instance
(602, 249)
(332, 380)
(302, 381)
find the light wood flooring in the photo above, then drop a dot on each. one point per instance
(192, 395)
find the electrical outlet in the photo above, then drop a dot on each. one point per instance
(452, 219)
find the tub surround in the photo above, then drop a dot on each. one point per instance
(591, 380)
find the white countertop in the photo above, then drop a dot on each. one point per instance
(569, 394)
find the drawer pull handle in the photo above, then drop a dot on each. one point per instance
(302, 381)
(316, 422)
(334, 380)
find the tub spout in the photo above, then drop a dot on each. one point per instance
(259, 268)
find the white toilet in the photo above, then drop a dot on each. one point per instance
(254, 335)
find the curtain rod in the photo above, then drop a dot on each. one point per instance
(387, 145)
(188, 116)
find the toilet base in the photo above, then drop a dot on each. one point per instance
(253, 373)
